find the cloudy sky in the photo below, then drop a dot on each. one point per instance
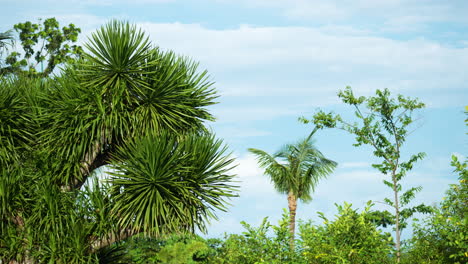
(276, 60)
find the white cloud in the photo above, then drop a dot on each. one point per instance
(393, 15)
(252, 181)
(249, 46)
(317, 57)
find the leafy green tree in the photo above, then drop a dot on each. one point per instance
(383, 126)
(443, 238)
(129, 107)
(295, 171)
(350, 238)
(44, 43)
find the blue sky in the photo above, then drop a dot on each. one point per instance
(276, 60)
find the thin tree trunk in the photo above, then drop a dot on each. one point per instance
(397, 220)
(292, 204)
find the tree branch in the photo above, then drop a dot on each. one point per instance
(110, 238)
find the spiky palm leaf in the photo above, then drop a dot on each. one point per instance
(177, 96)
(163, 184)
(118, 58)
(122, 89)
(15, 118)
(279, 173)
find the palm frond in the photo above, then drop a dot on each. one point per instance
(6, 38)
(164, 184)
(177, 96)
(299, 169)
(117, 58)
(279, 173)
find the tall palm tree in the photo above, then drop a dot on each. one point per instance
(295, 171)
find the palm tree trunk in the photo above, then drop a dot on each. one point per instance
(292, 204)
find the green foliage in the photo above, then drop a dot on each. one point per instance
(45, 42)
(256, 246)
(180, 249)
(91, 110)
(114, 254)
(145, 122)
(350, 238)
(189, 252)
(384, 126)
(443, 238)
(142, 249)
(42, 222)
(162, 183)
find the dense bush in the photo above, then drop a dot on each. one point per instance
(443, 238)
(350, 238)
(264, 244)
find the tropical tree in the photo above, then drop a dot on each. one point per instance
(295, 170)
(45, 45)
(127, 106)
(384, 126)
(6, 38)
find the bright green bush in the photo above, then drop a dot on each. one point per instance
(350, 238)
(255, 245)
(177, 249)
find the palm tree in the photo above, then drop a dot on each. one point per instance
(6, 37)
(295, 170)
(123, 89)
(126, 105)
